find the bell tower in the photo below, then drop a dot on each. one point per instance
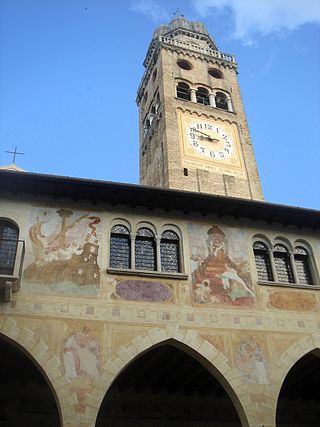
(193, 130)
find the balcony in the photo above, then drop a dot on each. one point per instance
(11, 261)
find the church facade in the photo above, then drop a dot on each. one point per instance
(186, 300)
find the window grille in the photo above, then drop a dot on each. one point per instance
(120, 247)
(8, 246)
(183, 91)
(283, 264)
(145, 250)
(169, 252)
(262, 261)
(221, 101)
(202, 96)
(302, 263)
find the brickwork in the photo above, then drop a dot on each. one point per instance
(168, 161)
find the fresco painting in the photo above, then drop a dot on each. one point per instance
(62, 252)
(294, 301)
(219, 266)
(142, 290)
(81, 354)
(251, 362)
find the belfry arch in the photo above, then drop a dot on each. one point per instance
(171, 371)
(27, 398)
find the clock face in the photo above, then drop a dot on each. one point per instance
(210, 140)
(210, 145)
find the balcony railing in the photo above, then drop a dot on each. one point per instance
(10, 276)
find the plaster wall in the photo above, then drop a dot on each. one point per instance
(51, 314)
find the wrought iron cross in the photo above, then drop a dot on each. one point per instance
(15, 152)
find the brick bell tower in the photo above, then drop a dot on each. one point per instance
(193, 130)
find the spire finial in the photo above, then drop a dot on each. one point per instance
(178, 13)
(15, 152)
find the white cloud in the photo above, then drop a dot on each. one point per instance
(263, 16)
(151, 8)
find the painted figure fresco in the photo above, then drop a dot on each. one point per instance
(63, 249)
(81, 355)
(251, 362)
(219, 265)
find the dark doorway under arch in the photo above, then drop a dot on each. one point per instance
(299, 398)
(167, 387)
(26, 400)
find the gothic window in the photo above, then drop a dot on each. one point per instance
(302, 264)
(9, 234)
(262, 261)
(221, 101)
(145, 250)
(169, 252)
(120, 247)
(283, 264)
(202, 96)
(183, 91)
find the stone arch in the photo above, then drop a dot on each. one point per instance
(48, 363)
(187, 340)
(283, 365)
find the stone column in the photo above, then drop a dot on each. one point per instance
(273, 265)
(193, 96)
(212, 100)
(229, 103)
(293, 268)
(158, 240)
(133, 250)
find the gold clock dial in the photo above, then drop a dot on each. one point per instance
(210, 145)
(209, 140)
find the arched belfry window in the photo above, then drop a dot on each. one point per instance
(183, 91)
(202, 95)
(9, 234)
(221, 101)
(283, 264)
(145, 250)
(169, 252)
(302, 265)
(120, 247)
(262, 261)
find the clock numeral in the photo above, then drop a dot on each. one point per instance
(227, 150)
(225, 137)
(213, 154)
(221, 154)
(192, 135)
(202, 149)
(195, 144)
(193, 129)
(199, 126)
(228, 144)
(217, 130)
(209, 127)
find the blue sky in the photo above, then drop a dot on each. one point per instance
(70, 69)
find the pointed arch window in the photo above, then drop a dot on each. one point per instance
(120, 247)
(283, 264)
(145, 250)
(262, 261)
(9, 234)
(169, 252)
(302, 265)
(183, 91)
(221, 101)
(202, 95)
